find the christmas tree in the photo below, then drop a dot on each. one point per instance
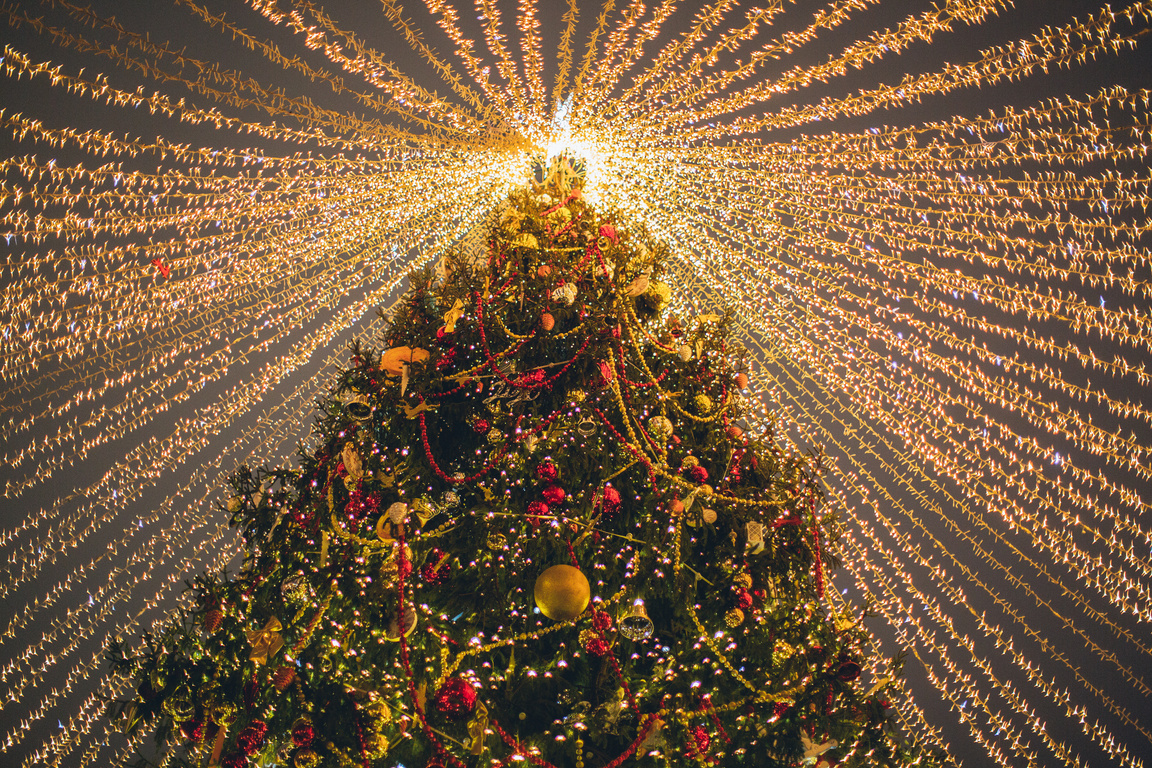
(536, 526)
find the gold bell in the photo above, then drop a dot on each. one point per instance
(635, 624)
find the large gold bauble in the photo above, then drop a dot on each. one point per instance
(562, 592)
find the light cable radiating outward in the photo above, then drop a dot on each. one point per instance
(929, 220)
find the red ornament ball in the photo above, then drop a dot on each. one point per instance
(848, 669)
(253, 737)
(554, 494)
(611, 500)
(234, 760)
(698, 740)
(530, 379)
(446, 359)
(480, 426)
(697, 474)
(598, 646)
(431, 574)
(744, 599)
(192, 730)
(536, 509)
(455, 699)
(361, 505)
(601, 621)
(303, 733)
(547, 472)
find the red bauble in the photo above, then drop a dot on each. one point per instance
(360, 505)
(601, 621)
(234, 760)
(554, 494)
(530, 379)
(547, 472)
(610, 500)
(744, 599)
(446, 359)
(698, 740)
(480, 426)
(455, 699)
(302, 733)
(192, 730)
(535, 510)
(597, 646)
(697, 474)
(433, 575)
(847, 668)
(253, 737)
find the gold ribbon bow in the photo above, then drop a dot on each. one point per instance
(452, 315)
(476, 727)
(265, 642)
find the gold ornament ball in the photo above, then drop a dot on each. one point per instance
(562, 592)
(734, 617)
(703, 403)
(660, 426)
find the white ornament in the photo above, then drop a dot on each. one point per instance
(565, 293)
(398, 512)
(755, 537)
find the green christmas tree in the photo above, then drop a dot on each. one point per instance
(533, 529)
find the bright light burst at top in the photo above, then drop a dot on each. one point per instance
(942, 275)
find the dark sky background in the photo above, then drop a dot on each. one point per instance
(164, 22)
